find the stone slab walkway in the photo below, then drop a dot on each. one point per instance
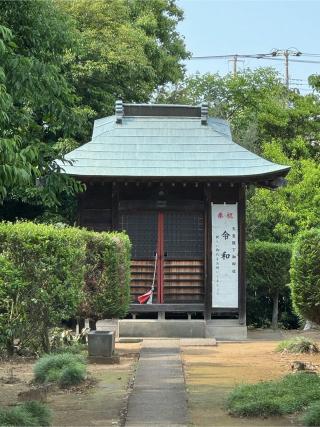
(159, 396)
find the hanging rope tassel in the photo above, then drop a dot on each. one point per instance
(147, 297)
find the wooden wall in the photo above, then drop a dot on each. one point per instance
(95, 207)
(101, 206)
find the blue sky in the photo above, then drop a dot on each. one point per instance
(213, 27)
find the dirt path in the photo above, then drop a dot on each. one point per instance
(212, 372)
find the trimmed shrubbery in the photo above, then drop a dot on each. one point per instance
(305, 275)
(65, 369)
(267, 269)
(28, 414)
(12, 287)
(51, 261)
(107, 277)
(49, 273)
(290, 394)
(298, 345)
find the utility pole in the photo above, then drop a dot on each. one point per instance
(286, 73)
(286, 53)
(235, 60)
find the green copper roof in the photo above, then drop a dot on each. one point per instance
(165, 146)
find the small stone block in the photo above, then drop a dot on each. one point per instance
(101, 343)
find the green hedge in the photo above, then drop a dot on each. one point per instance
(107, 278)
(12, 319)
(267, 269)
(50, 273)
(305, 275)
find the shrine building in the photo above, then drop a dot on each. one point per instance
(174, 180)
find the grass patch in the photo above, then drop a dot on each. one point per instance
(66, 369)
(290, 394)
(298, 345)
(29, 414)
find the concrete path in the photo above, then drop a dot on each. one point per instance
(159, 397)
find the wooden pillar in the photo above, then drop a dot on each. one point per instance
(79, 210)
(208, 255)
(115, 206)
(242, 254)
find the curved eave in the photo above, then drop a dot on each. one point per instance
(248, 178)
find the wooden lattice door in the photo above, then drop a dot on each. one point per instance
(183, 257)
(178, 240)
(142, 228)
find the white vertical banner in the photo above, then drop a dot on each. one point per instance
(224, 255)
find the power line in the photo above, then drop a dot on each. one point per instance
(253, 57)
(272, 56)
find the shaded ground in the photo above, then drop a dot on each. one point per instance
(102, 403)
(212, 372)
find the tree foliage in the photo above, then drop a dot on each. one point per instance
(15, 167)
(40, 104)
(280, 215)
(125, 50)
(267, 280)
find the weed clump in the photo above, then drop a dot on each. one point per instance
(290, 394)
(298, 345)
(312, 415)
(66, 369)
(73, 349)
(29, 414)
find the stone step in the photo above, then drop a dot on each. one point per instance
(220, 329)
(162, 328)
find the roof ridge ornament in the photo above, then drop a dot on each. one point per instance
(119, 111)
(204, 113)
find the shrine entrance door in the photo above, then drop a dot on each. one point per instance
(172, 243)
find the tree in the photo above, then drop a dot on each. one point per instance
(38, 104)
(280, 215)
(305, 275)
(15, 168)
(268, 272)
(126, 49)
